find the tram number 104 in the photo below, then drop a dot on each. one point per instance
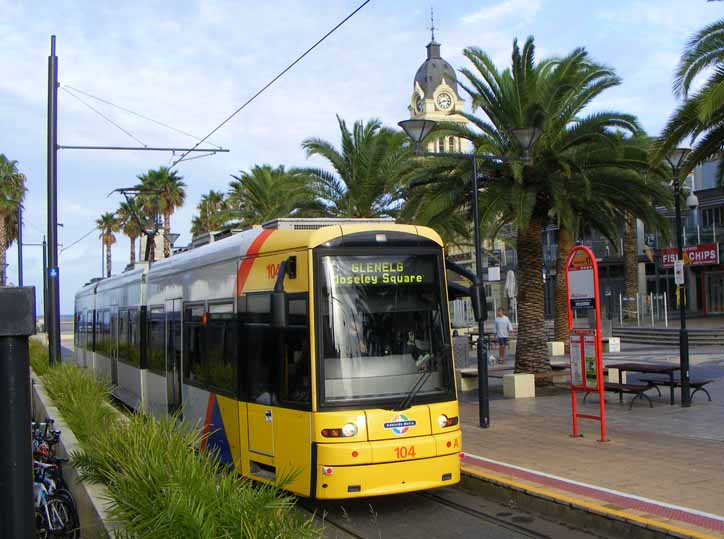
(403, 452)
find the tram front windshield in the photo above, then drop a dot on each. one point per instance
(383, 329)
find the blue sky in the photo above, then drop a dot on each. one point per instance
(190, 64)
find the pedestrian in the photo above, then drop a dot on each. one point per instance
(503, 327)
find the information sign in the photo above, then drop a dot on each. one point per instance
(586, 356)
(575, 354)
(679, 273)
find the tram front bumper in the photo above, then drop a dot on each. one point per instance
(435, 463)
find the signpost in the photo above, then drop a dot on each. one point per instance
(586, 352)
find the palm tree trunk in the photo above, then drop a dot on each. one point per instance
(531, 355)
(565, 244)
(3, 249)
(166, 232)
(133, 250)
(630, 267)
(108, 259)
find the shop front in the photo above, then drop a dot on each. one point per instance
(704, 273)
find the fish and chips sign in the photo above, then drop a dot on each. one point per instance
(705, 254)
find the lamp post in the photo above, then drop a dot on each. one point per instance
(675, 158)
(417, 130)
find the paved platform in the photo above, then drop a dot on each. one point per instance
(662, 467)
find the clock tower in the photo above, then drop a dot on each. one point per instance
(435, 97)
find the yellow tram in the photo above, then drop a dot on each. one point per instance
(317, 350)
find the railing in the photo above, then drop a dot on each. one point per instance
(642, 310)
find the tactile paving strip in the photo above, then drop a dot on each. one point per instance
(612, 499)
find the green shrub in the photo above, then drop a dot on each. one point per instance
(82, 400)
(38, 357)
(162, 488)
(159, 486)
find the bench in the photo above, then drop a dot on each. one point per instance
(633, 389)
(696, 384)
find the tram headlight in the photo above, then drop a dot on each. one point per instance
(349, 430)
(445, 421)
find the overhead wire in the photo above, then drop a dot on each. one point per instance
(119, 107)
(106, 118)
(267, 85)
(84, 236)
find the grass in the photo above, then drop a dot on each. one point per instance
(158, 485)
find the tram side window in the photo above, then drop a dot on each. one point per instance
(103, 332)
(123, 335)
(259, 349)
(78, 330)
(134, 338)
(296, 371)
(193, 318)
(218, 366)
(156, 350)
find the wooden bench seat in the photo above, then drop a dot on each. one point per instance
(696, 383)
(638, 391)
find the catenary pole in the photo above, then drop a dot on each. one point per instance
(52, 271)
(20, 245)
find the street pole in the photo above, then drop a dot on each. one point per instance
(683, 332)
(53, 323)
(20, 245)
(483, 403)
(45, 285)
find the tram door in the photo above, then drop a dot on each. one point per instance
(173, 354)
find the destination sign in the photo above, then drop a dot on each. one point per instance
(379, 271)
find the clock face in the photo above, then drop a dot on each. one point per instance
(444, 100)
(419, 104)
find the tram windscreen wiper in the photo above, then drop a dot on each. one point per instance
(421, 381)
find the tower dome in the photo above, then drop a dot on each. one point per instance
(435, 71)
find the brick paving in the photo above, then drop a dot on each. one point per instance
(668, 454)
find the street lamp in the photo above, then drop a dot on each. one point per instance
(675, 158)
(417, 130)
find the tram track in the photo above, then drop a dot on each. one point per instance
(307, 505)
(486, 517)
(449, 512)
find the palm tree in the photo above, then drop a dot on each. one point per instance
(12, 193)
(701, 115)
(213, 213)
(369, 170)
(168, 185)
(620, 194)
(131, 221)
(108, 223)
(266, 193)
(551, 95)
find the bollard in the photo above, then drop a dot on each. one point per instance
(17, 323)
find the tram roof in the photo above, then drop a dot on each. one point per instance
(237, 246)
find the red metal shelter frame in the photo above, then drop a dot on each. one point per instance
(580, 334)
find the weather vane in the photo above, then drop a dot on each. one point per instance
(432, 23)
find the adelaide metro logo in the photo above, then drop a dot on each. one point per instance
(400, 424)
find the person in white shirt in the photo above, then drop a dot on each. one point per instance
(503, 327)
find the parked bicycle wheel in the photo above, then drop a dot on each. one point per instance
(59, 521)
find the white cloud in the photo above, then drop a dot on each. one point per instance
(509, 11)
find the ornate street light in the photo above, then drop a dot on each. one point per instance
(676, 158)
(526, 137)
